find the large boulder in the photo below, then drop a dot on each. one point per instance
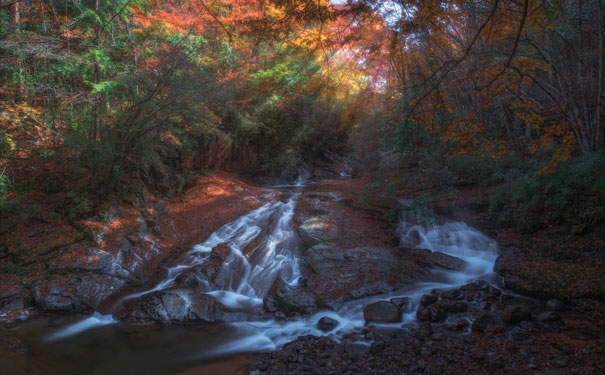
(76, 293)
(178, 306)
(13, 297)
(84, 280)
(337, 274)
(318, 229)
(382, 312)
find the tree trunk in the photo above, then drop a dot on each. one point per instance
(15, 14)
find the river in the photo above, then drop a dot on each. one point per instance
(101, 344)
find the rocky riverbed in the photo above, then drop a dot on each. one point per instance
(320, 283)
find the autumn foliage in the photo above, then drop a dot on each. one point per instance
(145, 90)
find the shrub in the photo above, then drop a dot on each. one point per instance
(571, 195)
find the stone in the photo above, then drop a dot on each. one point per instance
(453, 306)
(187, 279)
(512, 314)
(13, 297)
(427, 299)
(327, 324)
(442, 260)
(76, 293)
(403, 302)
(555, 305)
(424, 331)
(382, 312)
(433, 313)
(457, 324)
(178, 306)
(453, 294)
(549, 317)
(481, 323)
(379, 287)
(337, 274)
(96, 261)
(289, 299)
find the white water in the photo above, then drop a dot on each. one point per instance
(94, 321)
(249, 270)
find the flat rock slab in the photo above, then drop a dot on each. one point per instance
(335, 274)
(382, 312)
(438, 259)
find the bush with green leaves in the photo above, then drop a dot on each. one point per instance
(573, 195)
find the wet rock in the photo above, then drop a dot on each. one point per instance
(327, 324)
(403, 302)
(13, 297)
(427, 299)
(442, 260)
(424, 331)
(123, 252)
(459, 324)
(76, 293)
(549, 317)
(172, 306)
(453, 306)
(336, 274)
(318, 229)
(476, 285)
(382, 312)
(289, 299)
(483, 321)
(512, 314)
(181, 306)
(453, 294)
(221, 252)
(433, 313)
(187, 279)
(555, 305)
(96, 261)
(373, 289)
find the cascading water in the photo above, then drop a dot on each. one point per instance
(247, 272)
(262, 246)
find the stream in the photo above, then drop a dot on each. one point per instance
(263, 245)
